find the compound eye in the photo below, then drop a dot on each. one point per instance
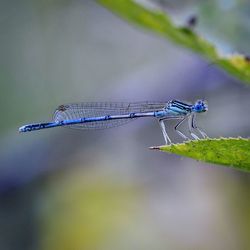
(198, 107)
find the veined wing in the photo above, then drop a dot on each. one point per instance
(75, 111)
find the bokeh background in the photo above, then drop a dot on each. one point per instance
(77, 190)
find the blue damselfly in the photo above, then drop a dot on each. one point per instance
(100, 115)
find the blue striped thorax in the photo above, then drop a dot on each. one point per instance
(177, 108)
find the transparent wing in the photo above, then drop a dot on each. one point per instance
(96, 109)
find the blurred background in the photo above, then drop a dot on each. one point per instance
(69, 189)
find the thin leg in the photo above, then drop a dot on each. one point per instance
(176, 126)
(164, 132)
(190, 127)
(178, 131)
(194, 125)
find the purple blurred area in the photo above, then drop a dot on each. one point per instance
(67, 189)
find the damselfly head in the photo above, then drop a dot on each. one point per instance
(200, 106)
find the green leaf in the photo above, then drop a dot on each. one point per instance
(159, 23)
(232, 152)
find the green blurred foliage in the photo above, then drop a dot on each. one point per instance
(86, 211)
(235, 19)
(159, 23)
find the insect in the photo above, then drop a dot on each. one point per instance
(100, 115)
(192, 21)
